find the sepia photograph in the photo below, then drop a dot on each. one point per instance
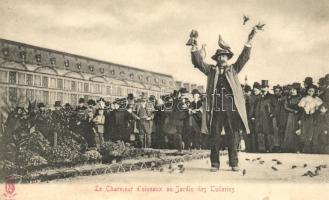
(164, 99)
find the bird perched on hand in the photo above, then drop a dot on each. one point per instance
(244, 172)
(260, 26)
(193, 36)
(245, 19)
(222, 44)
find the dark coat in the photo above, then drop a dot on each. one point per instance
(231, 74)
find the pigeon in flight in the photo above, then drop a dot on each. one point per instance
(260, 26)
(245, 19)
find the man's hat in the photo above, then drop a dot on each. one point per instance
(247, 88)
(195, 91)
(277, 87)
(91, 102)
(58, 104)
(81, 100)
(265, 83)
(40, 105)
(222, 52)
(256, 85)
(152, 98)
(296, 86)
(130, 96)
(308, 80)
(183, 91)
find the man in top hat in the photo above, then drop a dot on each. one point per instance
(263, 116)
(225, 99)
(144, 114)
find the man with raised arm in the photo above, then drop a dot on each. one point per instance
(225, 98)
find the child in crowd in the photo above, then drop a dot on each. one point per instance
(99, 121)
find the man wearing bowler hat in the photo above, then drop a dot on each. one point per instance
(225, 99)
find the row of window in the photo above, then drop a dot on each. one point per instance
(48, 97)
(67, 64)
(13, 77)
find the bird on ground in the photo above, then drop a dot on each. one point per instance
(305, 165)
(161, 169)
(222, 44)
(244, 172)
(309, 173)
(261, 162)
(318, 167)
(274, 160)
(245, 19)
(293, 167)
(253, 160)
(324, 166)
(260, 26)
(275, 169)
(182, 170)
(278, 163)
(258, 158)
(180, 165)
(247, 159)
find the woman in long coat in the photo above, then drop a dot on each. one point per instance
(290, 142)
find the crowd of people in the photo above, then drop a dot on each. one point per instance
(294, 118)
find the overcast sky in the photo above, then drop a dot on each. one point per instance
(151, 34)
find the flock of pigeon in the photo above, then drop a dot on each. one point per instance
(309, 173)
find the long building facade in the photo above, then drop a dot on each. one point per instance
(29, 73)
